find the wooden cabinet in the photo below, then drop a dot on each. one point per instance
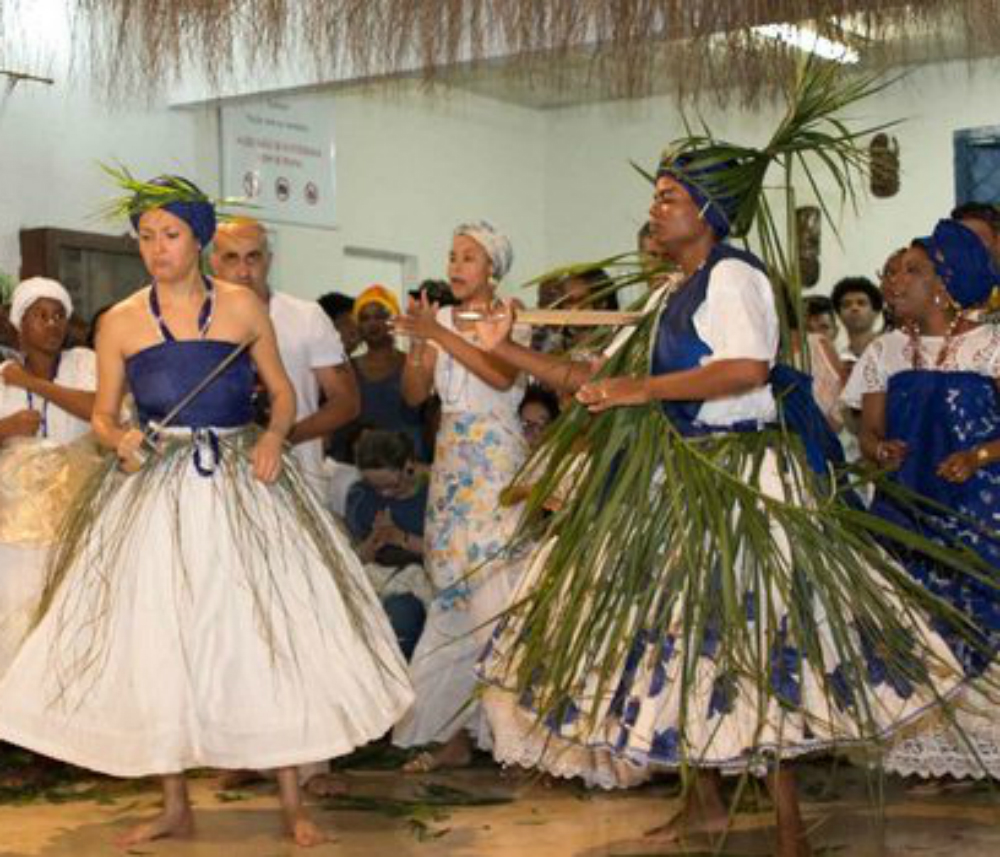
(97, 270)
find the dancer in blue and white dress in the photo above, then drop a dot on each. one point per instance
(930, 404)
(683, 611)
(201, 609)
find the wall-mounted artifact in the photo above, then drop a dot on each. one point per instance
(808, 221)
(884, 153)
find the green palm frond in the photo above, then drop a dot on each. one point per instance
(813, 141)
(140, 196)
(658, 534)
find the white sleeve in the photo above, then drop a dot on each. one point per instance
(738, 319)
(325, 347)
(869, 375)
(81, 373)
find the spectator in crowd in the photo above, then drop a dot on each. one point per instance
(858, 302)
(821, 317)
(380, 369)
(310, 346)
(539, 409)
(385, 515)
(588, 289)
(340, 308)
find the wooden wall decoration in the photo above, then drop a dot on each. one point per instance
(808, 225)
(884, 165)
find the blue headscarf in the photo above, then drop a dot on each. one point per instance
(191, 205)
(962, 262)
(718, 208)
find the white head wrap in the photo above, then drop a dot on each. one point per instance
(496, 244)
(29, 291)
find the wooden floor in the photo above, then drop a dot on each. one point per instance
(389, 815)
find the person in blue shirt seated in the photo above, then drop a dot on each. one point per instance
(385, 515)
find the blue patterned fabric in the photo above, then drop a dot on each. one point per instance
(160, 376)
(936, 414)
(701, 178)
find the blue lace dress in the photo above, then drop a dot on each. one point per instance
(939, 410)
(195, 616)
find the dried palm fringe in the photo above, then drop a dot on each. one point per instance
(655, 524)
(252, 525)
(629, 47)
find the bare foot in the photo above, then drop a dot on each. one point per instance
(174, 825)
(792, 845)
(687, 823)
(326, 785)
(303, 830)
(444, 757)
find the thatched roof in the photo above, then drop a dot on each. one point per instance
(698, 44)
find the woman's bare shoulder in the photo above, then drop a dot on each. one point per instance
(123, 314)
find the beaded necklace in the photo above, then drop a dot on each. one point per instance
(917, 356)
(43, 426)
(204, 314)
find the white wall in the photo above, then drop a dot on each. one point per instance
(412, 163)
(410, 166)
(596, 202)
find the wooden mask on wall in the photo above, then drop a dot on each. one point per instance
(884, 152)
(807, 224)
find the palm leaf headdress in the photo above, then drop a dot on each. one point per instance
(140, 196)
(814, 140)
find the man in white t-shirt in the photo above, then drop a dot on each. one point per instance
(309, 344)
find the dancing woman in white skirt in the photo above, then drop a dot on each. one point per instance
(202, 611)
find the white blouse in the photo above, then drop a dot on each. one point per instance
(462, 391)
(738, 320)
(77, 369)
(976, 350)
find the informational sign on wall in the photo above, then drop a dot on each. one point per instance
(279, 155)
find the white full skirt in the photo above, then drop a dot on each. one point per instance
(22, 579)
(201, 622)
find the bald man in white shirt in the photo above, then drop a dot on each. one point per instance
(310, 346)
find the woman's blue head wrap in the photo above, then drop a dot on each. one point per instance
(700, 178)
(187, 202)
(962, 262)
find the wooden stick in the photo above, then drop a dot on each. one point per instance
(564, 317)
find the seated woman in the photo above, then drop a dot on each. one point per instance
(46, 399)
(385, 514)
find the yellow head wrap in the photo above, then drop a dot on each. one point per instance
(375, 295)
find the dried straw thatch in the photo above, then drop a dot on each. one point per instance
(629, 44)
